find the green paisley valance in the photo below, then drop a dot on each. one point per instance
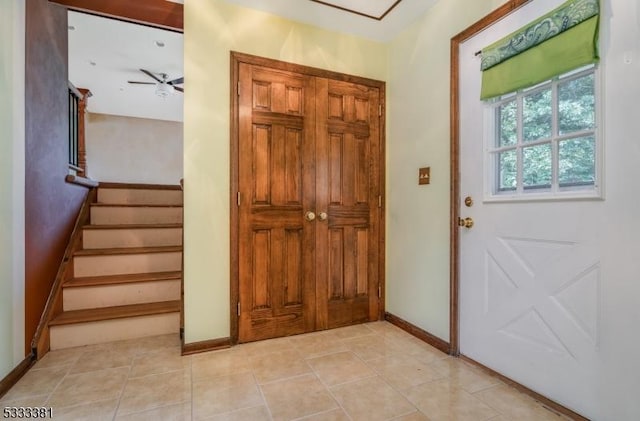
(559, 20)
(561, 40)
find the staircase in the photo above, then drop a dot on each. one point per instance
(126, 278)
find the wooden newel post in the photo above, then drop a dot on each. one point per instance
(82, 149)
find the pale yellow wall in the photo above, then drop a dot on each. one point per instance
(133, 150)
(11, 184)
(417, 136)
(212, 29)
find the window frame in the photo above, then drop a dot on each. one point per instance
(491, 168)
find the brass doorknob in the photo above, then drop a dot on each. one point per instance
(309, 216)
(466, 222)
(323, 216)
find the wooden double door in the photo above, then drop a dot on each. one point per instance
(310, 160)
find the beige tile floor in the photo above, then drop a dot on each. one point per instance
(367, 372)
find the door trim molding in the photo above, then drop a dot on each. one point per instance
(454, 281)
(236, 59)
(153, 13)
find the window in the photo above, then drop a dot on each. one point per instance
(77, 151)
(542, 142)
(74, 99)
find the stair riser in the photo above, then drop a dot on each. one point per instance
(120, 294)
(66, 336)
(121, 264)
(115, 215)
(139, 196)
(131, 237)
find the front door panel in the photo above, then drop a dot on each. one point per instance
(530, 270)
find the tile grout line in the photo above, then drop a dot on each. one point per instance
(444, 377)
(484, 389)
(354, 380)
(47, 402)
(68, 374)
(534, 401)
(371, 332)
(391, 386)
(270, 382)
(326, 411)
(487, 403)
(190, 386)
(331, 393)
(413, 358)
(50, 395)
(182, 403)
(266, 403)
(233, 411)
(264, 399)
(327, 388)
(124, 386)
(397, 417)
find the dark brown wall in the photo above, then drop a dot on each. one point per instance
(51, 204)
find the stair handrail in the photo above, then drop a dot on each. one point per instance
(40, 343)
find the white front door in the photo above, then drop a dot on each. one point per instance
(530, 271)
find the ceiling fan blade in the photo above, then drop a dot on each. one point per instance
(151, 75)
(179, 89)
(141, 83)
(178, 81)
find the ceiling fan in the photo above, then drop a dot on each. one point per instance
(164, 87)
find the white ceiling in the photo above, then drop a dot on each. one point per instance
(119, 49)
(105, 53)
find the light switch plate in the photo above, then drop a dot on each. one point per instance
(424, 175)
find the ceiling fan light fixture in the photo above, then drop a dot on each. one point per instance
(163, 90)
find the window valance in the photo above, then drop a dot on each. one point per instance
(562, 40)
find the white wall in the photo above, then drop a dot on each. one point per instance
(212, 29)
(12, 29)
(133, 150)
(418, 136)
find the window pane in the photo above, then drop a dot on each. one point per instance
(536, 116)
(576, 105)
(536, 166)
(507, 170)
(507, 124)
(577, 162)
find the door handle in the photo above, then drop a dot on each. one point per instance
(323, 216)
(309, 216)
(466, 222)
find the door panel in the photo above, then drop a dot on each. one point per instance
(530, 270)
(306, 144)
(347, 190)
(276, 263)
